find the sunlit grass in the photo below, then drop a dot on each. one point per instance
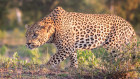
(97, 63)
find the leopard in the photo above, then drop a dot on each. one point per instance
(72, 31)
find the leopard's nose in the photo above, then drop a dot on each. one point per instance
(28, 44)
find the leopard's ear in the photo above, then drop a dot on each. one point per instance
(26, 26)
(59, 9)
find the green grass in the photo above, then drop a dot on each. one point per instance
(97, 63)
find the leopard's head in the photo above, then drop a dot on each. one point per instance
(38, 34)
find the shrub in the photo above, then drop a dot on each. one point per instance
(3, 50)
(101, 64)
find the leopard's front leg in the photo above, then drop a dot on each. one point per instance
(73, 59)
(57, 58)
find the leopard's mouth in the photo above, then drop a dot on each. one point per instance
(32, 46)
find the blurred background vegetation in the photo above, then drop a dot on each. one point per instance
(14, 14)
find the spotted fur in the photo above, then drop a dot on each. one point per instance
(71, 31)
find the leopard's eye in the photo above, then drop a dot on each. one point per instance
(35, 35)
